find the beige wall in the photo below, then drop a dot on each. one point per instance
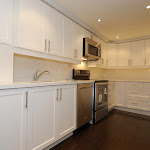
(127, 74)
(25, 67)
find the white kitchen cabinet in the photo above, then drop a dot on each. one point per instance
(111, 54)
(111, 95)
(13, 116)
(69, 38)
(66, 110)
(138, 56)
(120, 94)
(124, 54)
(41, 118)
(78, 42)
(147, 52)
(51, 115)
(6, 19)
(54, 35)
(103, 52)
(29, 25)
(86, 33)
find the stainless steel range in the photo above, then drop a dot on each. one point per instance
(100, 104)
(100, 100)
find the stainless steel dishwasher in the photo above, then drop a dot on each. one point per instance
(84, 104)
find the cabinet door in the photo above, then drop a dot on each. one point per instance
(147, 52)
(68, 38)
(66, 111)
(30, 25)
(111, 94)
(41, 115)
(138, 57)
(78, 42)
(120, 94)
(6, 14)
(13, 116)
(124, 52)
(54, 36)
(111, 55)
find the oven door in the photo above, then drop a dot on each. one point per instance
(100, 95)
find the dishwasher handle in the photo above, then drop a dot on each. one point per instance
(85, 87)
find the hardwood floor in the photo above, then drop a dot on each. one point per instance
(119, 131)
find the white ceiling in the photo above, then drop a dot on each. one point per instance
(126, 18)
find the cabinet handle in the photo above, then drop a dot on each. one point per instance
(61, 94)
(26, 100)
(76, 53)
(45, 44)
(49, 45)
(107, 62)
(134, 103)
(145, 61)
(129, 62)
(57, 94)
(134, 92)
(102, 62)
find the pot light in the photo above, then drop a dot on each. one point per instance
(148, 7)
(99, 20)
(117, 37)
(84, 58)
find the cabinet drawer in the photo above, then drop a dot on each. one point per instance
(132, 85)
(146, 85)
(135, 102)
(133, 92)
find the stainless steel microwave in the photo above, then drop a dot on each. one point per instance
(91, 49)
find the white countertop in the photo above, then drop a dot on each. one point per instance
(30, 84)
(128, 80)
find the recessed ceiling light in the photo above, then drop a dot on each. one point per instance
(117, 37)
(84, 58)
(148, 7)
(99, 20)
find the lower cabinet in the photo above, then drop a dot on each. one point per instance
(120, 95)
(51, 115)
(41, 118)
(13, 116)
(111, 98)
(35, 118)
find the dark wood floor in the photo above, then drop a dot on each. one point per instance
(118, 131)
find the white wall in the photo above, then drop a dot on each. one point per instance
(25, 67)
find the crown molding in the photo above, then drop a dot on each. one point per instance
(131, 40)
(69, 15)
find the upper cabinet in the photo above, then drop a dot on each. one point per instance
(138, 56)
(54, 35)
(111, 55)
(124, 54)
(78, 42)
(147, 52)
(30, 25)
(68, 38)
(6, 17)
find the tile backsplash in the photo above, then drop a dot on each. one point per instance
(25, 67)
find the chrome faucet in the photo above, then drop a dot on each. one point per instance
(36, 76)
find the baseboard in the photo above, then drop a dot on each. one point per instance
(141, 112)
(59, 141)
